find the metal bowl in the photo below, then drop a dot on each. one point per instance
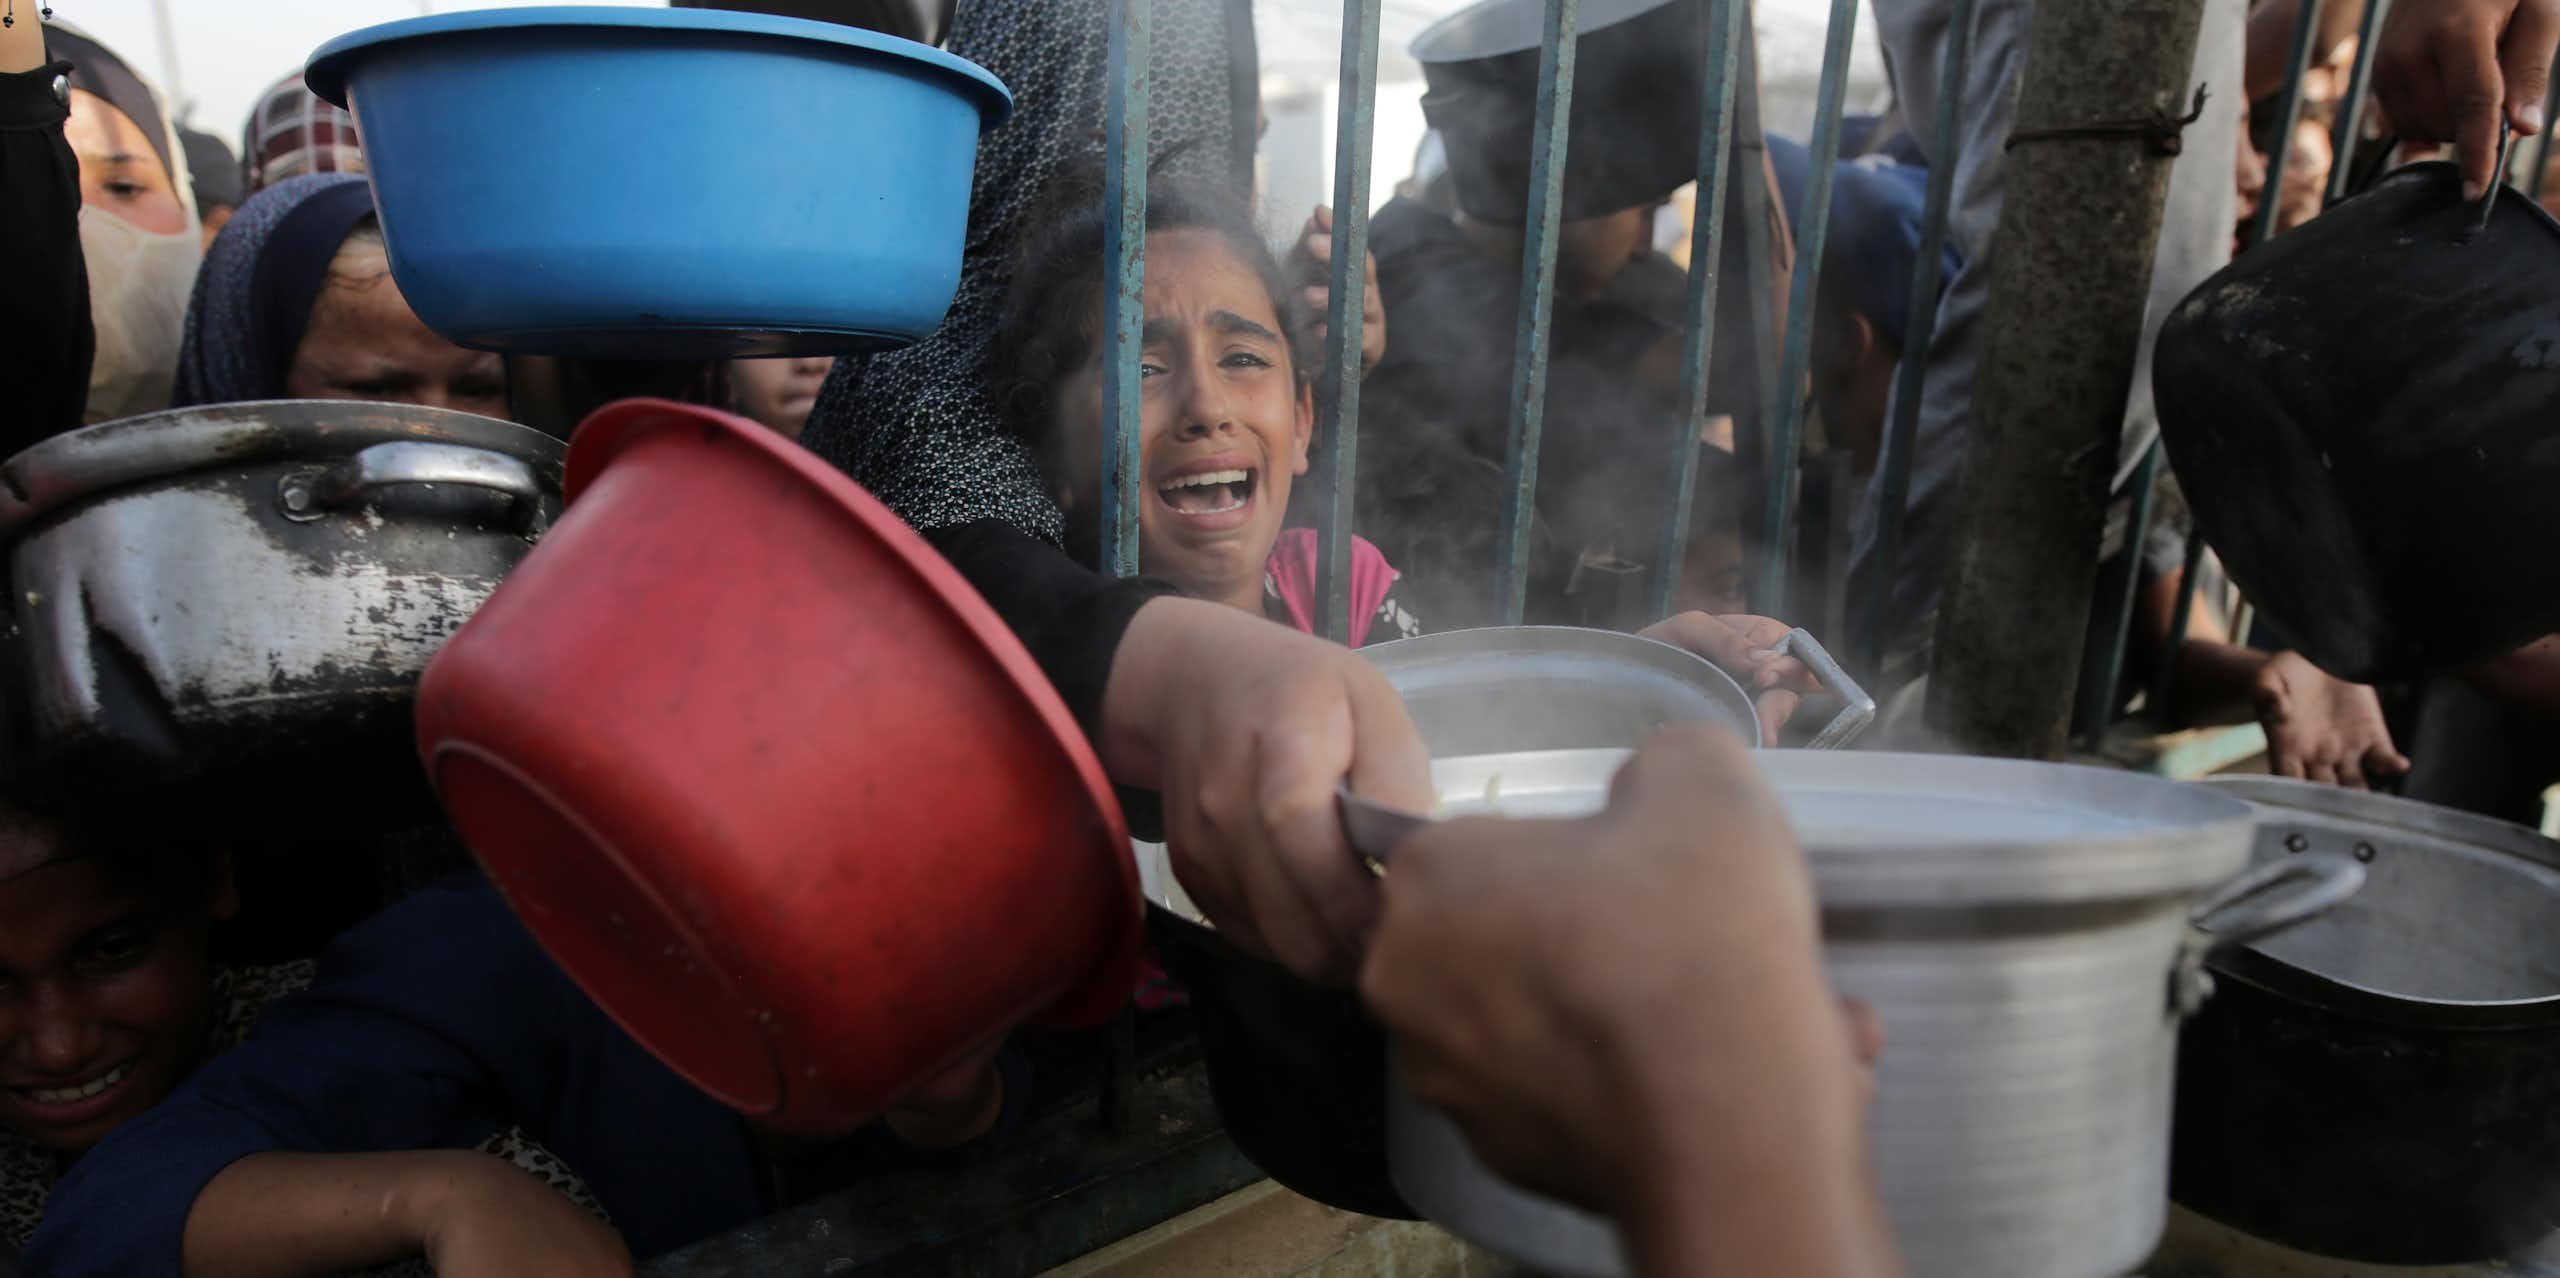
(1507, 688)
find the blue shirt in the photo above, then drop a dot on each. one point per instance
(434, 1025)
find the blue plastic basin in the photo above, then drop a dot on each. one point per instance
(665, 183)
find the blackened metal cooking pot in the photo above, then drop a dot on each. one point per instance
(1293, 1066)
(232, 604)
(2359, 412)
(2382, 1085)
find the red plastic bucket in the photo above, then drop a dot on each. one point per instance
(771, 782)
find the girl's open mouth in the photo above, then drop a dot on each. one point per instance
(1208, 494)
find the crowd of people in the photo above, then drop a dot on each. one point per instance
(429, 1087)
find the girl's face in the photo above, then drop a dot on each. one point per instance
(1711, 574)
(363, 342)
(119, 172)
(779, 392)
(1224, 423)
(106, 997)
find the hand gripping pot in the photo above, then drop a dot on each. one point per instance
(2359, 412)
(2030, 935)
(767, 778)
(682, 184)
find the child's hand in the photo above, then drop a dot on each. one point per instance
(954, 1107)
(485, 1218)
(2323, 728)
(1245, 728)
(1311, 260)
(1747, 648)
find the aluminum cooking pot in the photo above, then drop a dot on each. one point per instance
(2383, 1084)
(236, 601)
(2030, 934)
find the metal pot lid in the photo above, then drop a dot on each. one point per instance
(2453, 927)
(57, 473)
(1887, 830)
(1507, 688)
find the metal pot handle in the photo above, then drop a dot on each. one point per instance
(1372, 828)
(2253, 905)
(1860, 709)
(307, 495)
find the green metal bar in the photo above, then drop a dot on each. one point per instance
(1344, 312)
(1769, 594)
(2115, 593)
(2270, 197)
(1920, 328)
(1124, 242)
(1706, 256)
(1759, 271)
(1537, 298)
(2270, 201)
(2348, 127)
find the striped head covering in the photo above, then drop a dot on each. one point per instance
(293, 133)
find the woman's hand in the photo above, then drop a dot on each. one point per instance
(487, 1218)
(1245, 728)
(954, 1107)
(1312, 262)
(274, 1214)
(2322, 728)
(2447, 69)
(1629, 1010)
(1748, 648)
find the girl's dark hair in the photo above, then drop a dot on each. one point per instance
(1053, 306)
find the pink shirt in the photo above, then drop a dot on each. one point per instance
(1291, 578)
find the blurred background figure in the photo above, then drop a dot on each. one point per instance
(292, 132)
(1711, 576)
(138, 231)
(1862, 298)
(778, 392)
(215, 174)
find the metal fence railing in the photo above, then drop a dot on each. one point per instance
(1729, 55)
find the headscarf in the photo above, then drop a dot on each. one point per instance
(1638, 100)
(293, 133)
(98, 70)
(215, 172)
(254, 296)
(916, 426)
(138, 279)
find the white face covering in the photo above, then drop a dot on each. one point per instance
(138, 288)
